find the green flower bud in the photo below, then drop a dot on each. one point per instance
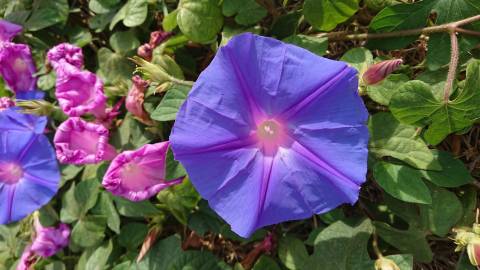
(383, 263)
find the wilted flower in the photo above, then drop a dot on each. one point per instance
(80, 142)
(145, 51)
(65, 52)
(49, 240)
(158, 37)
(5, 103)
(380, 71)
(79, 92)
(135, 98)
(29, 173)
(271, 132)
(8, 30)
(17, 67)
(140, 174)
(383, 263)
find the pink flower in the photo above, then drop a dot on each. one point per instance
(6, 103)
(79, 92)
(145, 51)
(158, 37)
(140, 174)
(8, 30)
(27, 260)
(80, 142)
(50, 240)
(135, 99)
(65, 52)
(380, 71)
(17, 67)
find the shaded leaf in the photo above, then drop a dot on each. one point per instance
(325, 15)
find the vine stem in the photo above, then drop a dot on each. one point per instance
(447, 27)
(452, 68)
(375, 246)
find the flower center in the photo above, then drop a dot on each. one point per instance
(10, 173)
(19, 65)
(269, 130)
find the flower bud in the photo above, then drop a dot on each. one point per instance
(158, 37)
(36, 107)
(135, 99)
(380, 71)
(473, 251)
(152, 72)
(383, 263)
(145, 51)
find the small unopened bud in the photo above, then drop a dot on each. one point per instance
(152, 72)
(473, 251)
(145, 51)
(158, 37)
(383, 263)
(6, 103)
(380, 71)
(36, 106)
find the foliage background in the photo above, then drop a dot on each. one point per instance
(423, 157)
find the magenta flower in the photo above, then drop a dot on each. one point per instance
(5, 103)
(79, 92)
(271, 132)
(145, 51)
(49, 240)
(135, 98)
(8, 30)
(27, 260)
(80, 142)
(380, 71)
(65, 52)
(29, 173)
(17, 67)
(140, 174)
(158, 37)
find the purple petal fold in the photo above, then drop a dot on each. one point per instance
(80, 142)
(17, 67)
(271, 132)
(49, 240)
(140, 174)
(8, 30)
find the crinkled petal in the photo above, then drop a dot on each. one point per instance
(67, 53)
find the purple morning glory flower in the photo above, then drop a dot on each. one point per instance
(49, 240)
(271, 132)
(65, 52)
(138, 175)
(8, 30)
(29, 173)
(17, 67)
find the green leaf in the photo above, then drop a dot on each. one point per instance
(391, 138)
(102, 6)
(163, 254)
(358, 58)
(403, 261)
(171, 102)
(200, 20)
(135, 209)
(136, 13)
(443, 213)
(342, 247)
(410, 241)
(314, 44)
(468, 197)
(114, 66)
(402, 182)
(292, 253)
(286, 25)
(205, 220)
(132, 235)
(89, 231)
(325, 15)
(169, 22)
(415, 103)
(46, 13)
(247, 12)
(98, 260)
(453, 173)
(79, 36)
(180, 200)
(106, 208)
(70, 211)
(123, 42)
(383, 91)
(266, 263)
(198, 260)
(396, 18)
(438, 53)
